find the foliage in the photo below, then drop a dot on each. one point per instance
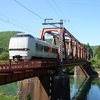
(97, 52)
(5, 37)
(28, 97)
(95, 61)
(4, 55)
(93, 48)
(4, 42)
(50, 41)
(69, 70)
(5, 97)
(86, 45)
(96, 81)
(9, 89)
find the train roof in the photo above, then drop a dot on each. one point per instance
(23, 35)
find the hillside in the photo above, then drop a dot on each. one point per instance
(5, 37)
(94, 47)
(4, 43)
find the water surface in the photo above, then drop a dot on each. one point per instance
(85, 89)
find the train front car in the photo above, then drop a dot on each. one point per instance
(19, 47)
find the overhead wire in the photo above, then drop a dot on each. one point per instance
(78, 3)
(37, 14)
(61, 11)
(53, 8)
(17, 22)
(58, 7)
(15, 25)
(63, 14)
(29, 10)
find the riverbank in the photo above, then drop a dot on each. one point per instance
(98, 71)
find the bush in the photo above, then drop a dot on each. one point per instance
(93, 61)
(4, 55)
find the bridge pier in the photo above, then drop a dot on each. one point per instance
(19, 90)
(47, 87)
(60, 87)
(80, 71)
(31, 89)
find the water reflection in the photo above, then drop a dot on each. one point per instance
(81, 88)
(76, 85)
(94, 93)
(60, 87)
(57, 88)
(85, 89)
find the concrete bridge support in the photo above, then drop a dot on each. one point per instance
(80, 71)
(31, 89)
(60, 87)
(53, 87)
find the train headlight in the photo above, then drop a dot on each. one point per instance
(26, 49)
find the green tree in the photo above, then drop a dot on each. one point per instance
(97, 52)
(5, 97)
(4, 43)
(4, 55)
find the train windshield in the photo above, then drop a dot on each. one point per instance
(23, 35)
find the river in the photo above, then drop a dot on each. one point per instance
(80, 88)
(84, 89)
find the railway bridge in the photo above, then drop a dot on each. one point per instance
(75, 55)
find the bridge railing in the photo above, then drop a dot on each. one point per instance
(8, 65)
(11, 66)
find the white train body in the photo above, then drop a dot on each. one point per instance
(25, 46)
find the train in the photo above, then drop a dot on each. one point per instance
(24, 46)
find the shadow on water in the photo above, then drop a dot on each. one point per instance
(58, 87)
(88, 68)
(66, 88)
(82, 87)
(88, 90)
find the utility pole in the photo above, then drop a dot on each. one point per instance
(60, 41)
(61, 77)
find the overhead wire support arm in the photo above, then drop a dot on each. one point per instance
(60, 49)
(46, 22)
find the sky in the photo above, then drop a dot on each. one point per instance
(80, 17)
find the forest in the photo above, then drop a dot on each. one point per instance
(4, 42)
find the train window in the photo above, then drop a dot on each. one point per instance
(19, 49)
(38, 47)
(16, 36)
(50, 50)
(42, 48)
(54, 50)
(28, 35)
(24, 35)
(63, 52)
(45, 48)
